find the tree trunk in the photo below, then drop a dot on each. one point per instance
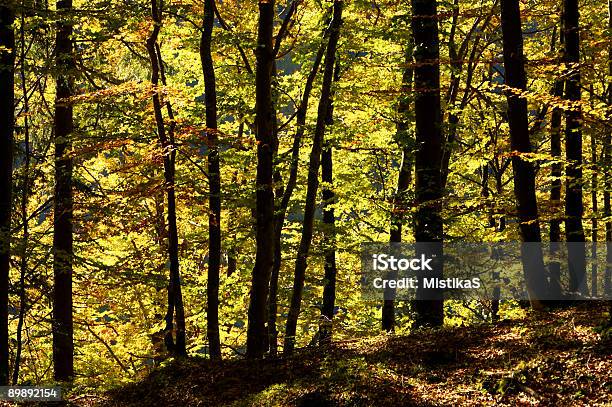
(497, 250)
(63, 347)
(594, 208)
(23, 261)
(524, 172)
(214, 180)
(554, 267)
(175, 311)
(329, 233)
(574, 207)
(7, 118)
(428, 190)
(404, 179)
(281, 211)
(264, 123)
(313, 180)
(608, 181)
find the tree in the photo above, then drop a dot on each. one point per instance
(608, 180)
(554, 266)
(404, 179)
(7, 118)
(282, 194)
(175, 310)
(264, 129)
(63, 346)
(524, 172)
(428, 157)
(574, 207)
(313, 180)
(281, 211)
(329, 235)
(214, 182)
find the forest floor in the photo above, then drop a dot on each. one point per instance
(559, 358)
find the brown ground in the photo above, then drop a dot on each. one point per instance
(553, 359)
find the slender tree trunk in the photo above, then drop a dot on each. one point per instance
(329, 233)
(594, 208)
(7, 120)
(608, 180)
(497, 251)
(554, 267)
(313, 180)
(272, 345)
(175, 311)
(214, 180)
(574, 208)
(264, 123)
(63, 347)
(281, 211)
(404, 179)
(429, 304)
(524, 172)
(23, 263)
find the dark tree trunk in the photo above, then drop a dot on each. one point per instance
(524, 172)
(7, 119)
(271, 342)
(264, 123)
(554, 268)
(175, 311)
(25, 192)
(594, 208)
(214, 180)
(404, 179)
(608, 181)
(329, 233)
(313, 180)
(497, 251)
(428, 162)
(63, 347)
(281, 211)
(329, 288)
(574, 207)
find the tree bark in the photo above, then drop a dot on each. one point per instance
(524, 171)
(7, 120)
(63, 347)
(404, 179)
(574, 208)
(329, 233)
(214, 180)
(175, 311)
(313, 180)
(264, 123)
(428, 162)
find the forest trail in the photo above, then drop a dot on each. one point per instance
(561, 358)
